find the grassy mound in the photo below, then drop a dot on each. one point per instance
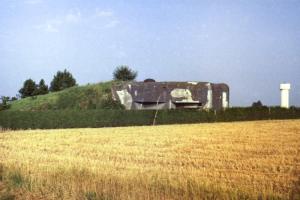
(91, 96)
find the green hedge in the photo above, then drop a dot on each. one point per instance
(110, 118)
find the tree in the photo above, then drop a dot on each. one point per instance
(124, 73)
(14, 99)
(4, 100)
(42, 88)
(28, 89)
(61, 81)
(257, 104)
(4, 103)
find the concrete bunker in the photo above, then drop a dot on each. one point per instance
(171, 95)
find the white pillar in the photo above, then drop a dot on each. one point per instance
(224, 100)
(209, 103)
(285, 88)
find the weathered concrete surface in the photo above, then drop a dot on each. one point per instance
(171, 95)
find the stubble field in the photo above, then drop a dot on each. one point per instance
(241, 160)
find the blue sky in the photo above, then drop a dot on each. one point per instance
(251, 45)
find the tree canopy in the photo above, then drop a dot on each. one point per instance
(257, 104)
(42, 88)
(62, 80)
(124, 73)
(28, 89)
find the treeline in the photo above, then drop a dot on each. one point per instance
(64, 79)
(112, 118)
(60, 81)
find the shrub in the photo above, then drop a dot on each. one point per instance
(113, 117)
(16, 179)
(4, 107)
(109, 103)
(90, 196)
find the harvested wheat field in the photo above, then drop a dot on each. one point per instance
(241, 160)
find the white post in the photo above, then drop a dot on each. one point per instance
(209, 104)
(224, 100)
(285, 88)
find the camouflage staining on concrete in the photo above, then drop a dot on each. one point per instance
(171, 95)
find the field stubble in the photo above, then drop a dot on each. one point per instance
(242, 160)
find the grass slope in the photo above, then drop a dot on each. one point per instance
(241, 160)
(90, 96)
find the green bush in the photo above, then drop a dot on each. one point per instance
(4, 106)
(114, 117)
(16, 179)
